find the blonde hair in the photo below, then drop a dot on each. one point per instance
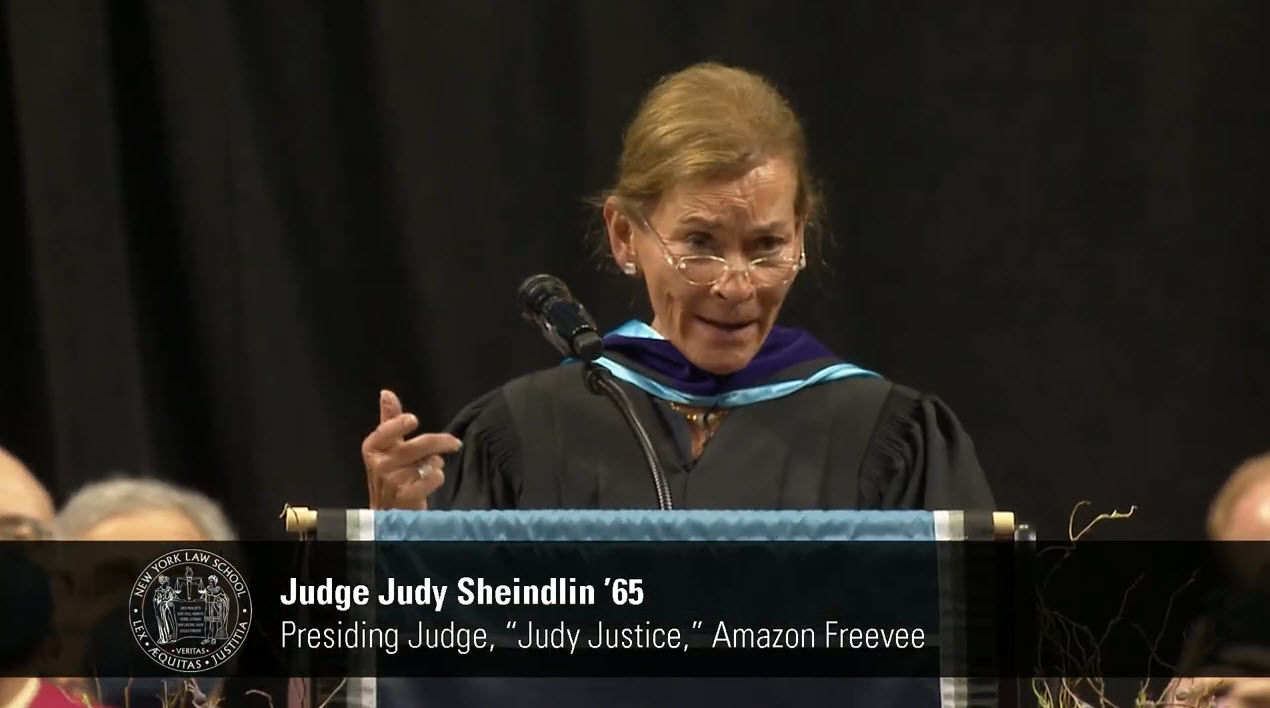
(710, 122)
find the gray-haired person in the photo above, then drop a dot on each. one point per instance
(140, 509)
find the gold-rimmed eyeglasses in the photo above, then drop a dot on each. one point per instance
(703, 270)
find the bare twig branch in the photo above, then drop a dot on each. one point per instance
(258, 692)
(339, 687)
(1071, 520)
(1075, 647)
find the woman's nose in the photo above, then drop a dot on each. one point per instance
(735, 285)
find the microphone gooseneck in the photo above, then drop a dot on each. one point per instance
(600, 381)
(565, 323)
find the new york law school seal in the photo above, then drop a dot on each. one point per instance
(190, 610)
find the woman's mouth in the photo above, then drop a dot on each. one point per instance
(730, 330)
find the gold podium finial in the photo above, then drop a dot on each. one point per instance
(300, 519)
(1003, 524)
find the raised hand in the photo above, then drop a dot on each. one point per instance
(401, 473)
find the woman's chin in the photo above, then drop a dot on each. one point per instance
(722, 362)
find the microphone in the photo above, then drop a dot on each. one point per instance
(565, 323)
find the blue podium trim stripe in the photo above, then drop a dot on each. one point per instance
(652, 525)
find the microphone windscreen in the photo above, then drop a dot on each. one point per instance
(537, 290)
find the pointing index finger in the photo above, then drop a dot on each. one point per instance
(429, 444)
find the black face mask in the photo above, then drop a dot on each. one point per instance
(26, 606)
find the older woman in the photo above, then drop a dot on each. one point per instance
(713, 209)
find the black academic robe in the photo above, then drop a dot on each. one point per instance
(544, 441)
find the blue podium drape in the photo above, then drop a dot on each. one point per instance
(846, 526)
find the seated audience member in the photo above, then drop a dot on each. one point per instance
(26, 513)
(1239, 513)
(26, 509)
(1241, 509)
(129, 509)
(138, 509)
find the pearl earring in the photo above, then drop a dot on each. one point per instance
(629, 268)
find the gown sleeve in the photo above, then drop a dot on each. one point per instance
(921, 457)
(485, 472)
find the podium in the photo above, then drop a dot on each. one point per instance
(944, 529)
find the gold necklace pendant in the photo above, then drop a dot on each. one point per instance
(704, 420)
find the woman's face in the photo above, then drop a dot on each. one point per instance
(718, 327)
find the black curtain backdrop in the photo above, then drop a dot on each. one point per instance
(231, 224)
